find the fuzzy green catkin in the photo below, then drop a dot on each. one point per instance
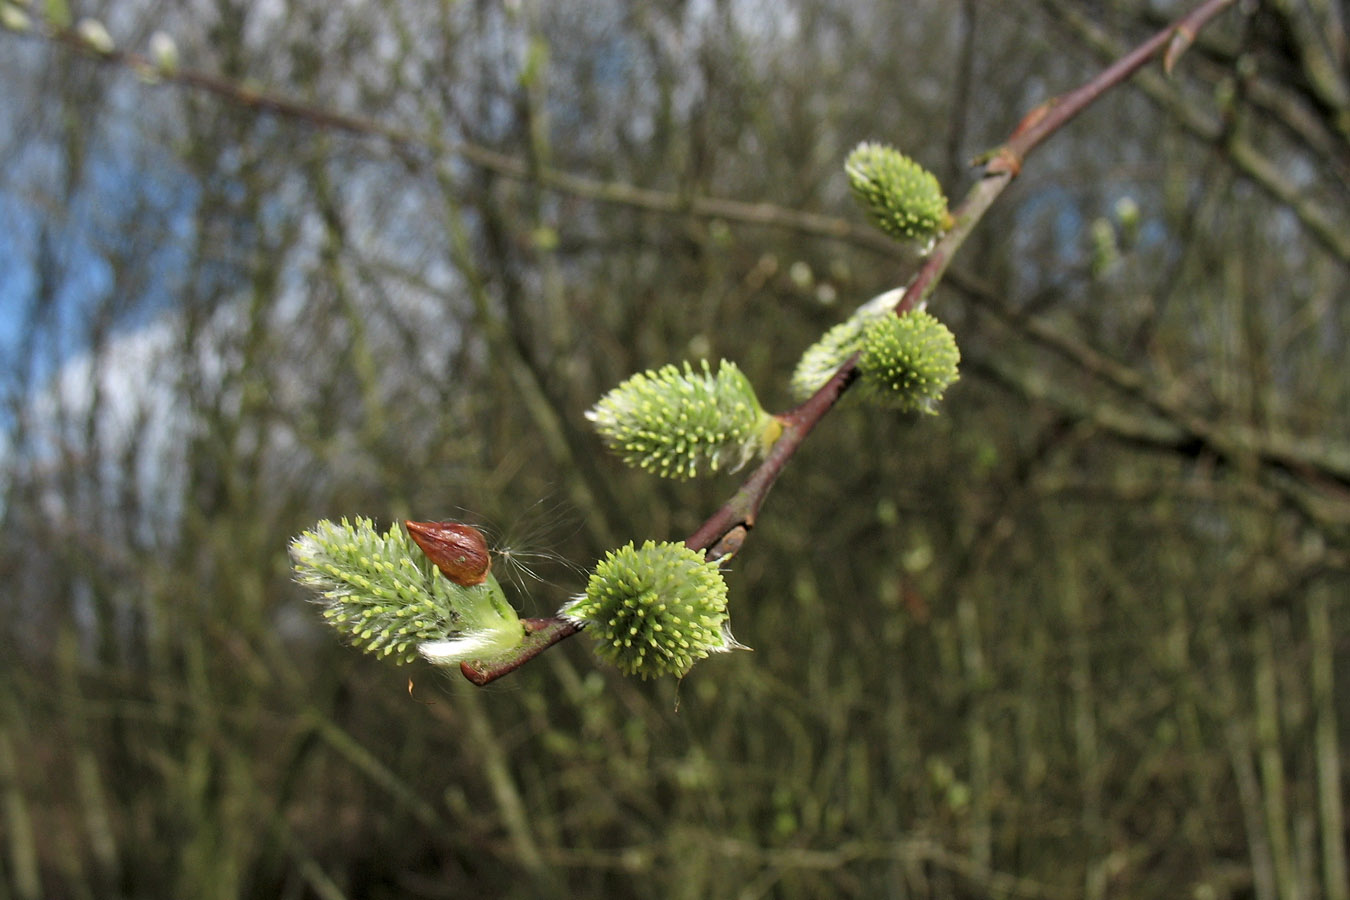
(677, 424)
(384, 595)
(655, 609)
(903, 198)
(907, 362)
(826, 355)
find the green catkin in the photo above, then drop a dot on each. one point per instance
(907, 362)
(680, 424)
(826, 355)
(903, 198)
(384, 595)
(654, 610)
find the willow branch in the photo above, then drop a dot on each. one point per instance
(726, 530)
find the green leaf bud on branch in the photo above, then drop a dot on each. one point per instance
(95, 36)
(823, 358)
(903, 198)
(164, 52)
(387, 597)
(12, 18)
(907, 361)
(673, 422)
(656, 610)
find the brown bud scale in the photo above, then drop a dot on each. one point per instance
(458, 550)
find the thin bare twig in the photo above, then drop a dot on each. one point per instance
(1239, 151)
(410, 143)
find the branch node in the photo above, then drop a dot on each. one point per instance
(1182, 38)
(1004, 161)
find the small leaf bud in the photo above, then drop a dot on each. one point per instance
(95, 36)
(164, 52)
(458, 550)
(12, 18)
